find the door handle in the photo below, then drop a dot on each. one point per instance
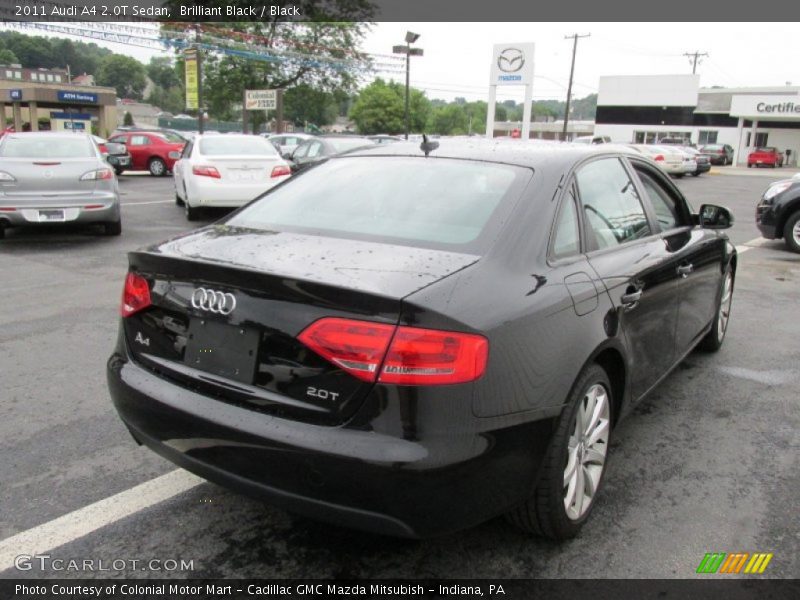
(631, 299)
(684, 270)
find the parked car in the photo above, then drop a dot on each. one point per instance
(55, 178)
(721, 154)
(154, 151)
(672, 160)
(674, 141)
(115, 154)
(592, 139)
(286, 143)
(226, 170)
(765, 155)
(778, 212)
(702, 160)
(322, 147)
(383, 138)
(365, 343)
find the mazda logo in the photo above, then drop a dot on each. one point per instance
(510, 60)
(219, 303)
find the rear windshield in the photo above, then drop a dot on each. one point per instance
(27, 146)
(712, 147)
(345, 144)
(250, 145)
(433, 203)
(765, 149)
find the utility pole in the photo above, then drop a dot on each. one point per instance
(575, 37)
(199, 79)
(411, 37)
(693, 58)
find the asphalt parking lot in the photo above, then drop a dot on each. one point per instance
(707, 463)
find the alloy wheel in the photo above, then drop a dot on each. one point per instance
(725, 303)
(586, 451)
(796, 233)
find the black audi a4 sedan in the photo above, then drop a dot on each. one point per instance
(411, 342)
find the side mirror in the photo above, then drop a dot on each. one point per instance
(712, 216)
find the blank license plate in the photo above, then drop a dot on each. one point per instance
(222, 349)
(246, 175)
(51, 215)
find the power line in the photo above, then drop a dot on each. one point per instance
(575, 37)
(694, 57)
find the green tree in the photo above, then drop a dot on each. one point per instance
(7, 57)
(127, 120)
(161, 71)
(378, 109)
(124, 73)
(304, 104)
(449, 120)
(321, 52)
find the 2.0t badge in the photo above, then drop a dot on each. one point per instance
(220, 303)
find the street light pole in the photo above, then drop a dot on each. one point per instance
(409, 52)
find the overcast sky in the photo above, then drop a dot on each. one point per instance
(457, 55)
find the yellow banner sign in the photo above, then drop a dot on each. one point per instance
(192, 80)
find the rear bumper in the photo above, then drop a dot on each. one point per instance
(24, 212)
(204, 191)
(703, 168)
(360, 478)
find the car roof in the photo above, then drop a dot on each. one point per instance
(533, 154)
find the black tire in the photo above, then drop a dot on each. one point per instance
(2, 231)
(792, 240)
(157, 167)
(714, 339)
(178, 200)
(192, 213)
(679, 175)
(544, 512)
(749, 166)
(118, 171)
(695, 174)
(113, 228)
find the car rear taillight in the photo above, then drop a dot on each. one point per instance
(659, 158)
(205, 171)
(135, 295)
(280, 171)
(98, 174)
(398, 354)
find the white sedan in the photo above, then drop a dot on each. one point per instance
(226, 171)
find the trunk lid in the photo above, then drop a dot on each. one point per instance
(245, 168)
(281, 283)
(58, 177)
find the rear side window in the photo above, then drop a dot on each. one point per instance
(414, 201)
(566, 241)
(611, 206)
(139, 140)
(27, 146)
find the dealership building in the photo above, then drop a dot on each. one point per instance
(644, 109)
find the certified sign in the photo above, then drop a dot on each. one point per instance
(260, 99)
(512, 64)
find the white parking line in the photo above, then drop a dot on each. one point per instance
(150, 202)
(754, 243)
(90, 518)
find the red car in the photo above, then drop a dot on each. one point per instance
(154, 151)
(765, 156)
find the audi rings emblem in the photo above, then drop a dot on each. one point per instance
(219, 303)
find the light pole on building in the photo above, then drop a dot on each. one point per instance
(409, 52)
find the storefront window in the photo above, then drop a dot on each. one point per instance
(707, 137)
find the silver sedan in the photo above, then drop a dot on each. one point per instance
(52, 178)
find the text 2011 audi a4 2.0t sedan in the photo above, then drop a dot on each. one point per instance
(412, 345)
